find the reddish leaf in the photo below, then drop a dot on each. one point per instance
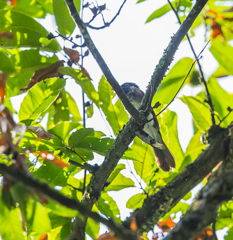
(44, 236)
(133, 225)
(217, 30)
(108, 236)
(8, 35)
(166, 225)
(85, 71)
(43, 73)
(73, 54)
(47, 156)
(3, 80)
(205, 234)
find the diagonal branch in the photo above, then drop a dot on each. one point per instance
(102, 64)
(17, 174)
(202, 78)
(157, 205)
(203, 211)
(169, 52)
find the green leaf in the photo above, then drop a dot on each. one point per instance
(223, 54)
(171, 83)
(63, 19)
(52, 174)
(19, 194)
(94, 144)
(26, 31)
(166, 8)
(159, 12)
(107, 206)
(168, 129)
(136, 201)
(6, 65)
(77, 137)
(221, 101)
(37, 216)
(39, 98)
(63, 129)
(83, 81)
(195, 146)
(92, 227)
(31, 60)
(73, 108)
(144, 160)
(60, 210)
(115, 113)
(35, 10)
(229, 235)
(120, 182)
(116, 171)
(11, 226)
(199, 110)
(16, 82)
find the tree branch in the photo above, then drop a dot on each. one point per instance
(18, 175)
(158, 204)
(202, 78)
(139, 117)
(107, 24)
(203, 211)
(168, 55)
(121, 143)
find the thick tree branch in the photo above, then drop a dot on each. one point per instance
(157, 205)
(203, 211)
(16, 174)
(103, 66)
(202, 78)
(169, 52)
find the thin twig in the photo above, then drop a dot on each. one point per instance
(73, 151)
(107, 24)
(230, 110)
(77, 45)
(184, 79)
(202, 78)
(130, 170)
(84, 166)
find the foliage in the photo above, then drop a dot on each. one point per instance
(26, 49)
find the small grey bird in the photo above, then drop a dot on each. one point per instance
(164, 158)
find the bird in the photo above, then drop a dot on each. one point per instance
(163, 156)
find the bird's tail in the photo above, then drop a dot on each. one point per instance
(164, 158)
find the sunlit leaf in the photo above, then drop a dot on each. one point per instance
(83, 81)
(39, 98)
(221, 100)
(199, 110)
(171, 83)
(114, 112)
(136, 201)
(107, 206)
(120, 182)
(63, 129)
(26, 31)
(64, 21)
